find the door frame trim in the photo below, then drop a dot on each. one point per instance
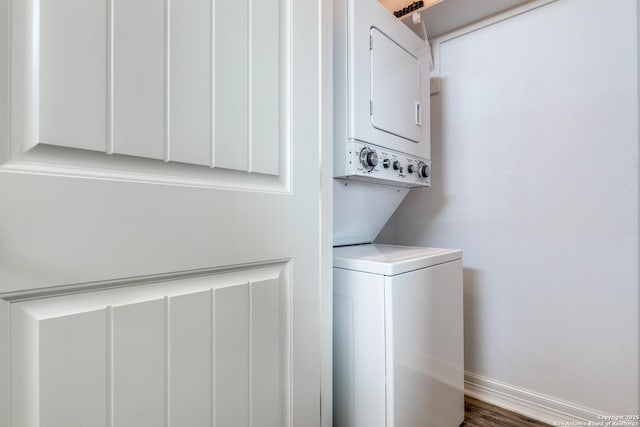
(325, 36)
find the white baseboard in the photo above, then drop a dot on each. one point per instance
(534, 405)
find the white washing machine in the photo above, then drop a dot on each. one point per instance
(398, 337)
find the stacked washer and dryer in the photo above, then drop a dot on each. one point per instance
(398, 327)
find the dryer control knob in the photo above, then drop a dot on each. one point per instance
(386, 163)
(368, 158)
(396, 165)
(410, 169)
(423, 170)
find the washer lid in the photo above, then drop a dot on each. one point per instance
(390, 260)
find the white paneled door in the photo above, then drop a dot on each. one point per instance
(162, 237)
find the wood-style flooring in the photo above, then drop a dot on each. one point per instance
(482, 414)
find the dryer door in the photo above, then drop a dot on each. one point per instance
(396, 88)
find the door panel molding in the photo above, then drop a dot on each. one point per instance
(222, 272)
(135, 83)
(67, 162)
(146, 338)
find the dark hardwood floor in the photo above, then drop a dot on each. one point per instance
(482, 414)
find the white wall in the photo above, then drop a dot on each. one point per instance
(535, 151)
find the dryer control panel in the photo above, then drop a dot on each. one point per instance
(373, 163)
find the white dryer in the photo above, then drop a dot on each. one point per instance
(381, 97)
(398, 337)
(381, 117)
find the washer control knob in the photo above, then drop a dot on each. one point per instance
(423, 170)
(368, 158)
(386, 163)
(410, 168)
(396, 165)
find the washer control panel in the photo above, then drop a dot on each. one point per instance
(381, 164)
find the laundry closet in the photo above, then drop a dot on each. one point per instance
(495, 164)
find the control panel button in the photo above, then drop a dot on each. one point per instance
(423, 170)
(368, 158)
(410, 168)
(386, 163)
(396, 165)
